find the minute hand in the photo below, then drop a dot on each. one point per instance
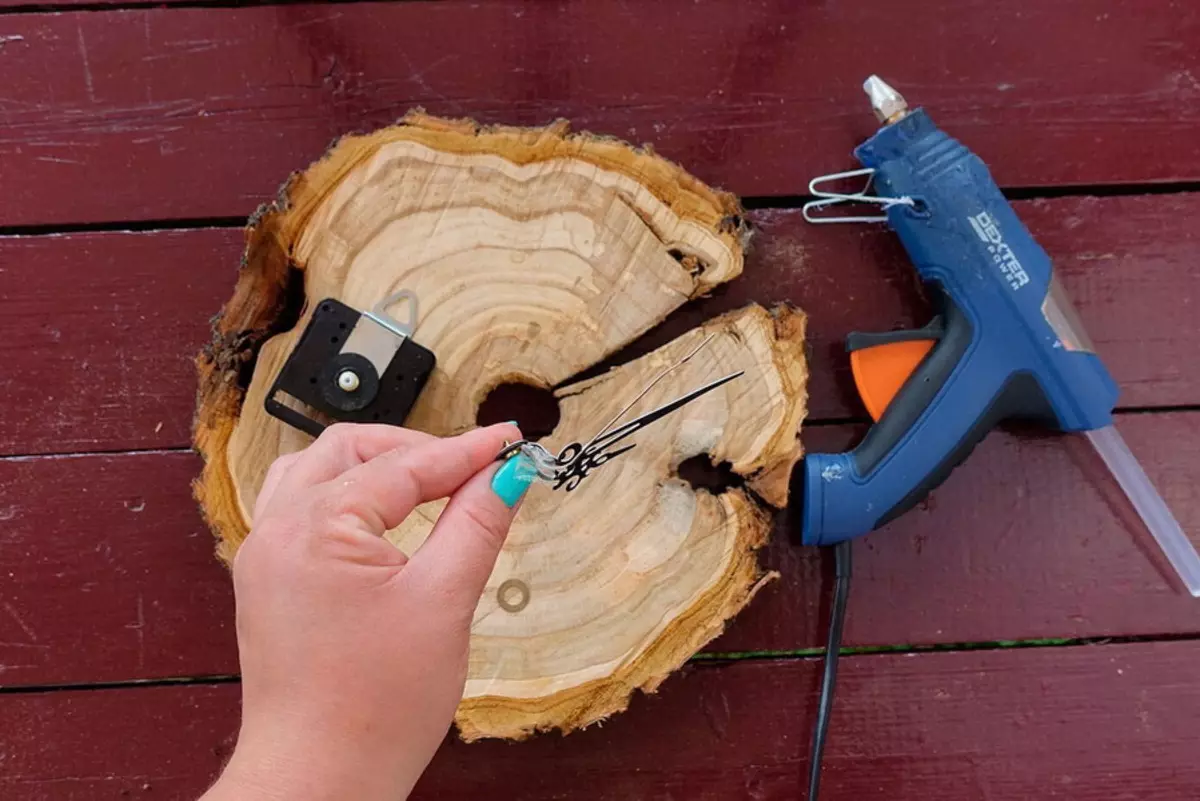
(597, 452)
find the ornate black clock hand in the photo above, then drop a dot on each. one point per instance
(576, 460)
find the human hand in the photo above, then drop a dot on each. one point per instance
(353, 656)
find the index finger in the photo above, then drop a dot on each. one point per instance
(383, 491)
(339, 448)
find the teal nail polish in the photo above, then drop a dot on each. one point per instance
(513, 478)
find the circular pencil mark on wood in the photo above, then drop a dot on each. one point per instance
(536, 254)
(513, 595)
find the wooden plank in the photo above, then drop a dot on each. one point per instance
(1028, 539)
(1130, 264)
(100, 329)
(108, 572)
(187, 113)
(96, 745)
(99, 334)
(1100, 722)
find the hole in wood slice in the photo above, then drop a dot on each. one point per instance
(535, 409)
(689, 261)
(700, 473)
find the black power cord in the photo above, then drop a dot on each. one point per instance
(837, 617)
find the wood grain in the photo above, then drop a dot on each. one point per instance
(187, 113)
(1028, 539)
(534, 253)
(1083, 723)
(100, 328)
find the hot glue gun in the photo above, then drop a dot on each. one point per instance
(1004, 343)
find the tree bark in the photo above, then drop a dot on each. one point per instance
(535, 254)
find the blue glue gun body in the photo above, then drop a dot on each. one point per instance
(1008, 345)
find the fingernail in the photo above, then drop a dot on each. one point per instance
(513, 478)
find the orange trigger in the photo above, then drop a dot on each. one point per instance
(880, 371)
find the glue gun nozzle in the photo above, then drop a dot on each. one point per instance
(888, 104)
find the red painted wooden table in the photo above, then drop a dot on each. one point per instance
(1015, 637)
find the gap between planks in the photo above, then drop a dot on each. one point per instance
(1012, 193)
(703, 660)
(52, 455)
(831, 422)
(750, 202)
(154, 5)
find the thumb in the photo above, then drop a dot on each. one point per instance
(460, 552)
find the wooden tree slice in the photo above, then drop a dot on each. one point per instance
(535, 254)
